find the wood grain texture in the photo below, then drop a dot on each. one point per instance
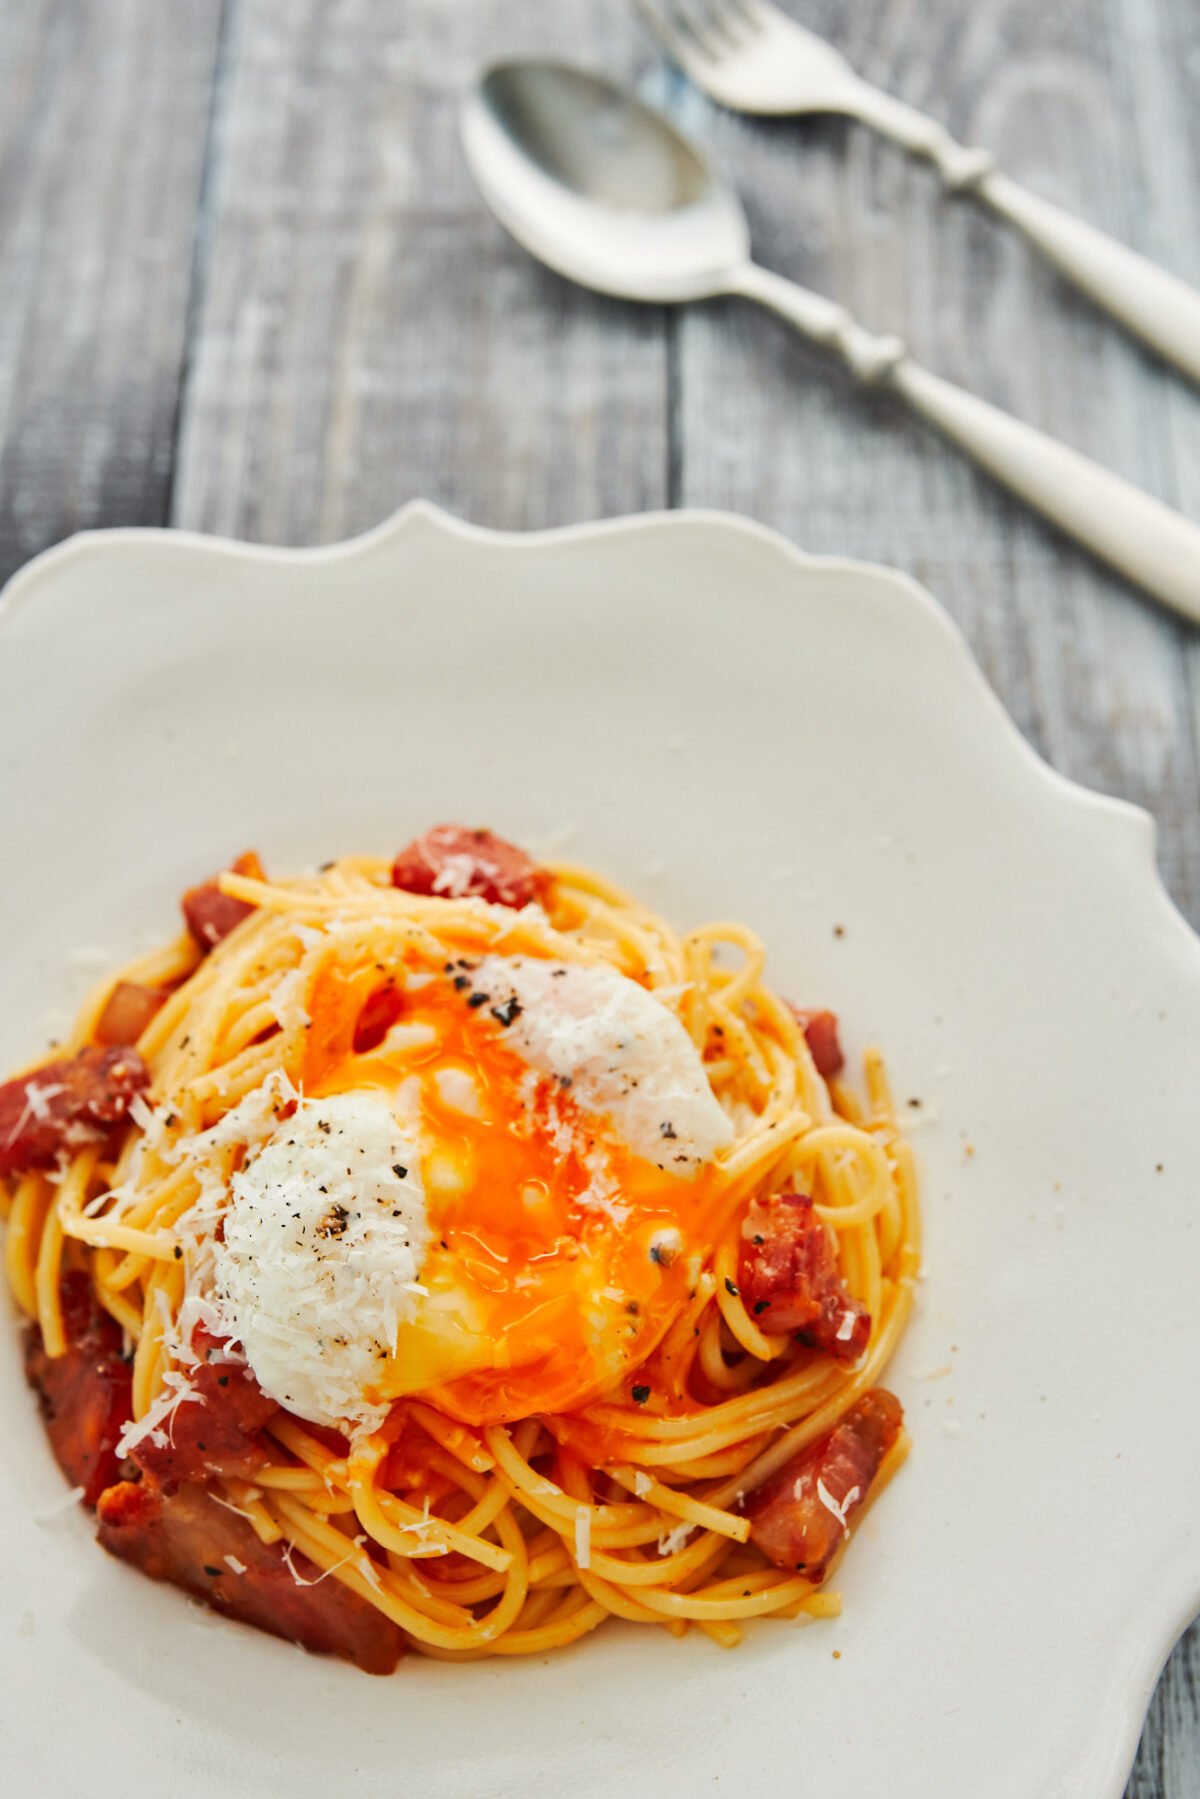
(103, 113)
(366, 334)
(245, 285)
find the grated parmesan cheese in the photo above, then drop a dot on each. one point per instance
(672, 1541)
(176, 1390)
(37, 1098)
(284, 999)
(146, 1119)
(250, 1122)
(839, 1510)
(624, 1053)
(323, 1239)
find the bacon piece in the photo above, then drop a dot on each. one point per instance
(801, 1516)
(789, 1280)
(185, 1538)
(85, 1396)
(65, 1104)
(376, 1019)
(217, 1432)
(456, 863)
(128, 1009)
(821, 1034)
(211, 914)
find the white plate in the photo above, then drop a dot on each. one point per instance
(729, 729)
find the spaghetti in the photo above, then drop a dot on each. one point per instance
(653, 1399)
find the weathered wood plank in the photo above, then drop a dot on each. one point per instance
(1094, 675)
(367, 334)
(1168, 1762)
(103, 114)
(1163, 80)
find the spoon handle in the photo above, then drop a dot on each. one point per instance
(1151, 545)
(1156, 306)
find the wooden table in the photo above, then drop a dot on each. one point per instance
(246, 287)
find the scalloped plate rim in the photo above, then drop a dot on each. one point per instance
(1149, 1647)
(22, 584)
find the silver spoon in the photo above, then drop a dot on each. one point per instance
(607, 192)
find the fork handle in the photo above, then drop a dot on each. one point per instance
(1156, 306)
(1154, 547)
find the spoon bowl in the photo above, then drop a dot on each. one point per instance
(606, 191)
(601, 187)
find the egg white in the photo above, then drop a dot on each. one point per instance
(624, 1053)
(323, 1240)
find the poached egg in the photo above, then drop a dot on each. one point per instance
(494, 1205)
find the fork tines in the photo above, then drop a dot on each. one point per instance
(691, 29)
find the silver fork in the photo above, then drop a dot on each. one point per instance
(750, 56)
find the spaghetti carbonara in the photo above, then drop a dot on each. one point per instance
(446, 1255)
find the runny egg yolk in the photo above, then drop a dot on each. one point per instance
(558, 1256)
